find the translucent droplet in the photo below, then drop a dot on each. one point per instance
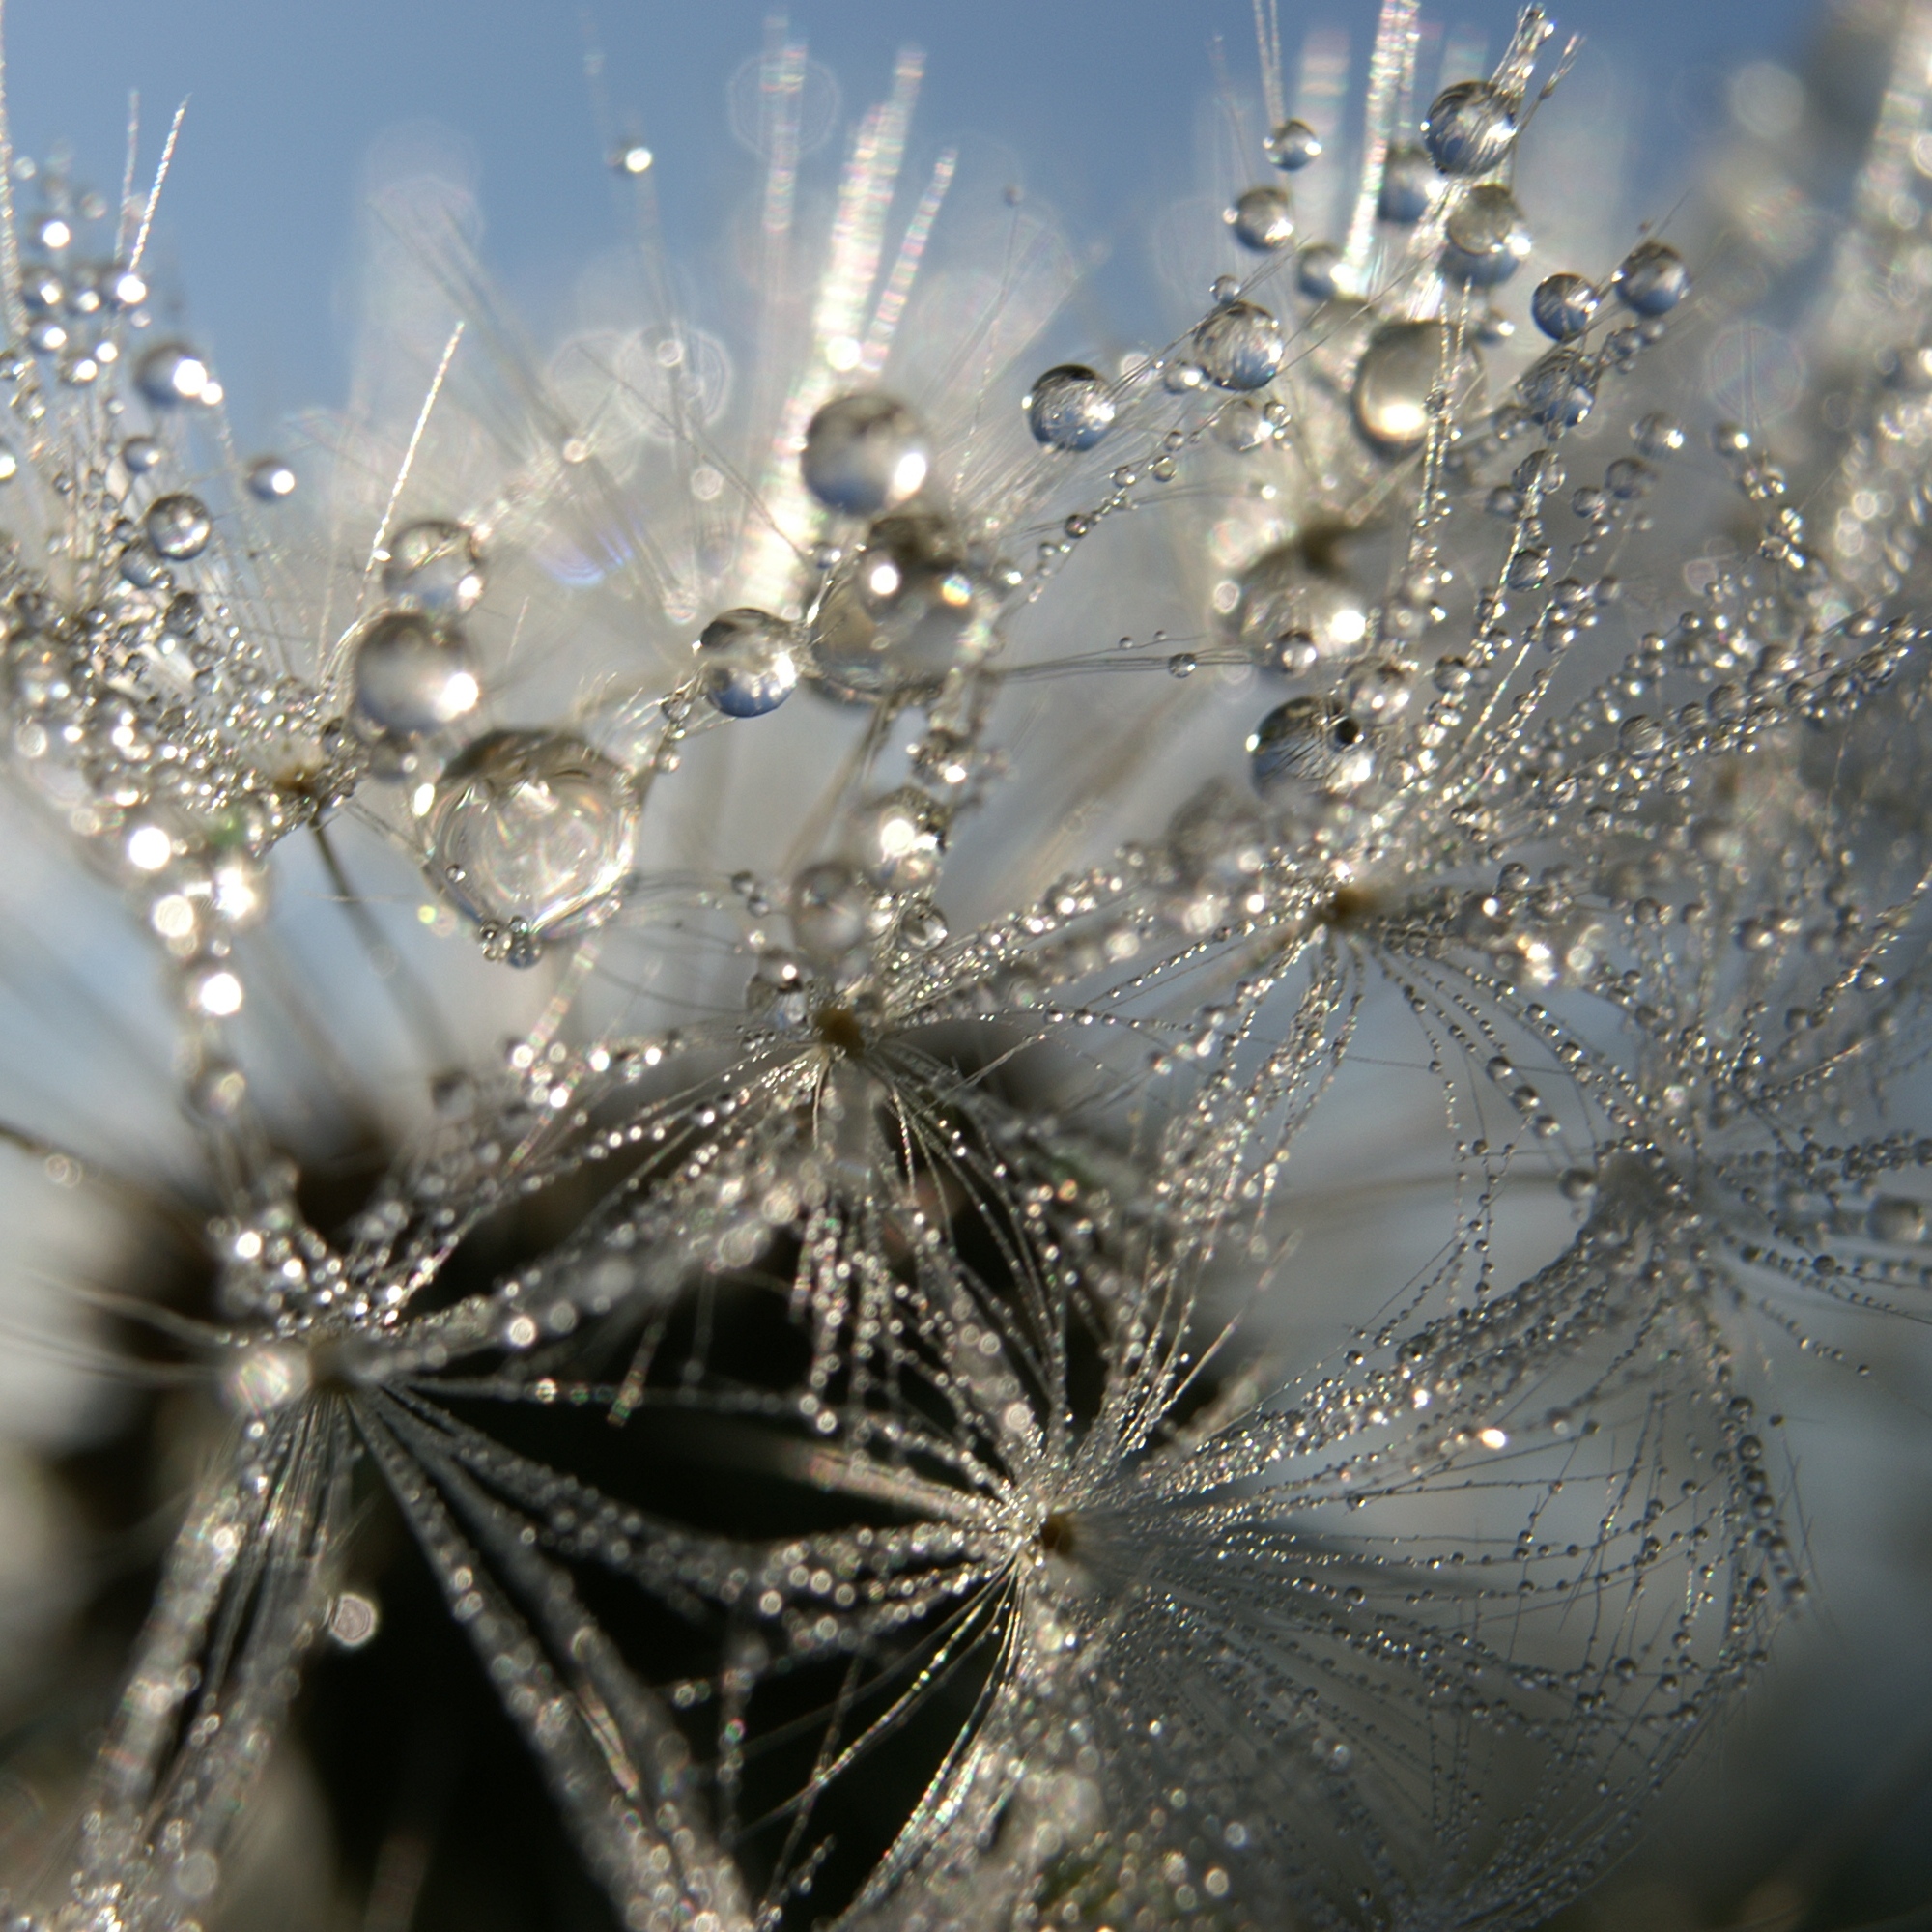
(1528, 567)
(1242, 427)
(179, 527)
(1409, 186)
(1560, 390)
(1564, 306)
(434, 566)
(1070, 408)
(1297, 600)
(1628, 477)
(1240, 347)
(1651, 280)
(746, 662)
(1293, 145)
(140, 454)
(1896, 1218)
(1223, 290)
(863, 454)
(267, 1376)
(412, 676)
(1469, 128)
(831, 911)
(903, 839)
(909, 606)
(1487, 235)
(1316, 270)
(531, 835)
(171, 373)
(270, 479)
(1399, 369)
(1657, 435)
(1307, 747)
(1263, 219)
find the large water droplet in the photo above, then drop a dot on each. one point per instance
(1400, 367)
(179, 527)
(1070, 408)
(434, 566)
(1564, 306)
(1560, 390)
(1409, 186)
(1469, 128)
(1318, 270)
(1651, 280)
(746, 662)
(171, 373)
(1308, 746)
(1240, 346)
(531, 835)
(1293, 145)
(1487, 237)
(863, 454)
(831, 911)
(902, 838)
(412, 676)
(912, 605)
(1263, 219)
(1298, 607)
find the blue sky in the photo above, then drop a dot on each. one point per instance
(1093, 101)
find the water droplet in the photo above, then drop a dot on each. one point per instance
(1560, 390)
(1651, 280)
(1403, 364)
(411, 677)
(266, 1376)
(1306, 747)
(1896, 1218)
(140, 454)
(1731, 440)
(1263, 219)
(434, 566)
(271, 480)
(1296, 599)
(171, 373)
(1564, 306)
(1657, 435)
(910, 606)
(179, 527)
(1070, 408)
(1240, 347)
(1292, 146)
(1409, 186)
(354, 1620)
(1242, 427)
(531, 835)
(746, 662)
(1628, 477)
(832, 909)
(1223, 290)
(902, 838)
(1469, 128)
(1487, 237)
(865, 454)
(1528, 567)
(1316, 270)
(1182, 664)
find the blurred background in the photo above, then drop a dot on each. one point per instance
(1813, 1810)
(1095, 105)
